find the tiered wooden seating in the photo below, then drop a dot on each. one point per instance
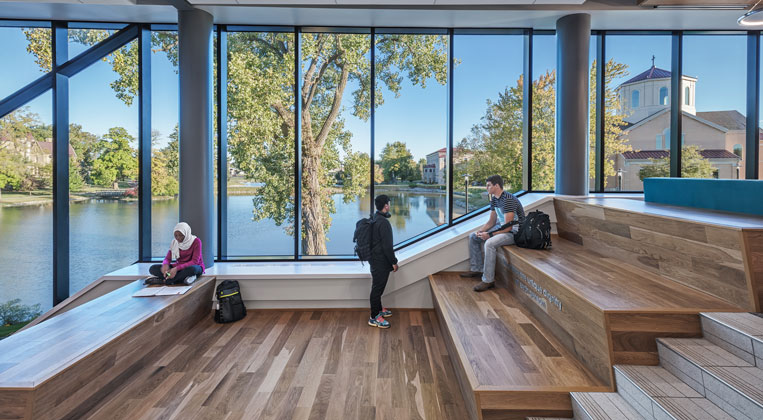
(616, 279)
(507, 364)
(65, 365)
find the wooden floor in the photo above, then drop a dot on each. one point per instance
(296, 365)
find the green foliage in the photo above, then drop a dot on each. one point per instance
(397, 163)
(117, 160)
(615, 142)
(13, 312)
(494, 146)
(85, 146)
(693, 165)
(76, 182)
(261, 109)
(164, 169)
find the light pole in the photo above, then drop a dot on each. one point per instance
(466, 188)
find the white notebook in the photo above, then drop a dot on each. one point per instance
(161, 291)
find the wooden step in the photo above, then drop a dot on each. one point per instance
(602, 406)
(730, 382)
(656, 394)
(718, 253)
(738, 333)
(506, 362)
(63, 366)
(604, 310)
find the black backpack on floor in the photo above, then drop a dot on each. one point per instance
(230, 305)
(534, 232)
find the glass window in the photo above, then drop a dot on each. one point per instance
(487, 126)
(103, 210)
(335, 155)
(663, 96)
(544, 112)
(411, 130)
(260, 144)
(164, 140)
(26, 212)
(636, 138)
(714, 119)
(28, 49)
(687, 96)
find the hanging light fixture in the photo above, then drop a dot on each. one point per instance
(753, 17)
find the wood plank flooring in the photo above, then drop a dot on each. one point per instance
(304, 365)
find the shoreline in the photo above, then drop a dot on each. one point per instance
(47, 200)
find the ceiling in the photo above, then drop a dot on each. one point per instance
(542, 14)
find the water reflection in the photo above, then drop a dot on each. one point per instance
(104, 236)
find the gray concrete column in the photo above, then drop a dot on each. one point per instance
(573, 33)
(196, 166)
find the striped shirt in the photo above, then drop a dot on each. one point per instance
(504, 204)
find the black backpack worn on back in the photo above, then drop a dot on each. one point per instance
(363, 237)
(230, 305)
(534, 232)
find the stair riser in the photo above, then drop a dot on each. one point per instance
(722, 394)
(731, 340)
(639, 400)
(578, 413)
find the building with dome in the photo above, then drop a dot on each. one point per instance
(645, 106)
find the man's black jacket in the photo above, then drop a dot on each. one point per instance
(382, 254)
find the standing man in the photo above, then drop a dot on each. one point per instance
(485, 243)
(382, 261)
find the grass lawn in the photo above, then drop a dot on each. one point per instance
(6, 330)
(14, 198)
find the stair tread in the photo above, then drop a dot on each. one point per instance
(692, 408)
(670, 394)
(743, 378)
(747, 380)
(656, 381)
(744, 322)
(605, 406)
(703, 353)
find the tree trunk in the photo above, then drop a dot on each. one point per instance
(314, 242)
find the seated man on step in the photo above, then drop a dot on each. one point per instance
(483, 244)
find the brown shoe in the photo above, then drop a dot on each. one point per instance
(483, 286)
(471, 274)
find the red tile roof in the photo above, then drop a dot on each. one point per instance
(662, 154)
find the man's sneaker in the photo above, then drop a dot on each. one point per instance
(189, 280)
(385, 313)
(379, 321)
(484, 286)
(471, 274)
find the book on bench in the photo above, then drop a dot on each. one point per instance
(161, 291)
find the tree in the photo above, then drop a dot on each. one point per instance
(76, 182)
(261, 104)
(495, 144)
(261, 120)
(117, 160)
(397, 162)
(614, 141)
(85, 146)
(693, 165)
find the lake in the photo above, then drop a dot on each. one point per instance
(104, 237)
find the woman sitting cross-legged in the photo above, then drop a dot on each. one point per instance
(185, 251)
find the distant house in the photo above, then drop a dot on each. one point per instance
(645, 106)
(433, 172)
(36, 153)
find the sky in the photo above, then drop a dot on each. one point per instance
(487, 65)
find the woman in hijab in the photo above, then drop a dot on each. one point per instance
(185, 251)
